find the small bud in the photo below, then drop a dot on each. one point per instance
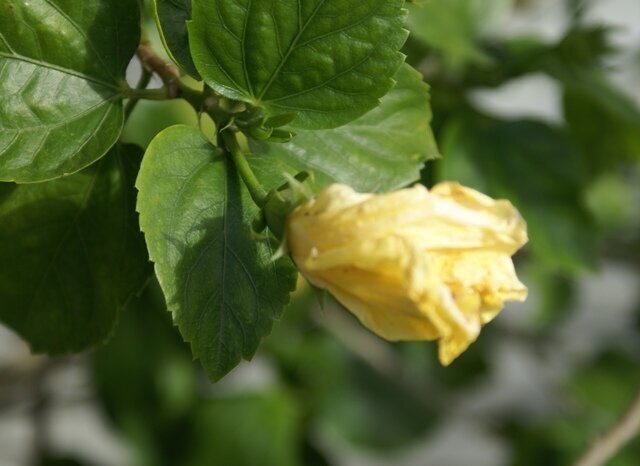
(281, 120)
(282, 136)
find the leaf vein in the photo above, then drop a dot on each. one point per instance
(60, 69)
(292, 45)
(327, 81)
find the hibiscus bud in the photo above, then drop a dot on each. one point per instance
(413, 264)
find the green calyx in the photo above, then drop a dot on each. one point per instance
(281, 202)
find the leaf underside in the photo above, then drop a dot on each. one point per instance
(71, 254)
(171, 18)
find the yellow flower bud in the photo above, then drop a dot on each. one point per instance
(413, 264)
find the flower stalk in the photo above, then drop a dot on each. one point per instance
(257, 191)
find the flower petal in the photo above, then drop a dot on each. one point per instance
(413, 264)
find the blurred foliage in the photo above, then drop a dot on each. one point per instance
(576, 184)
(599, 395)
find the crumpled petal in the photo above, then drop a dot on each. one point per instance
(413, 264)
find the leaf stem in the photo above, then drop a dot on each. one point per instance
(257, 191)
(143, 82)
(170, 75)
(149, 94)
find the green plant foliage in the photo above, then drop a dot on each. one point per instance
(171, 18)
(362, 405)
(605, 124)
(71, 254)
(149, 394)
(540, 171)
(267, 422)
(600, 393)
(222, 286)
(454, 27)
(61, 79)
(277, 100)
(382, 150)
(330, 61)
(151, 117)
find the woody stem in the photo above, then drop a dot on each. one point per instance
(608, 444)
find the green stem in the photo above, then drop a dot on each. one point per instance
(257, 191)
(195, 98)
(148, 94)
(143, 82)
(173, 88)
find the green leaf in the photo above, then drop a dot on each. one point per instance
(147, 389)
(538, 169)
(382, 150)
(171, 18)
(604, 122)
(62, 68)
(329, 60)
(221, 285)
(71, 254)
(454, 28)
(247, 430)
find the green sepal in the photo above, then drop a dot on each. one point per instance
(281, 202)
(261, 133)
(281, 135)
(281, 120)
(232, 106)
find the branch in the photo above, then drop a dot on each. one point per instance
(606, 446)
(153, 63)
(170, 75)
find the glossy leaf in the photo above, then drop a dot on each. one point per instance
(382, 150)
(220, 283)
(171, 18)
(329, 60)
(71, 254)
(62, 68)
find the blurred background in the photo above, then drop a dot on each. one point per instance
(536, 101)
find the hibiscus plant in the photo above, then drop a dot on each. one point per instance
(215, 157)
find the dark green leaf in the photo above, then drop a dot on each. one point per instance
(171, 18)
(71, 254)
(62, 68)
(604, 122)
(383, 150)
(221, 285)
(147, 394)
(375, 412)
(329, 60)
